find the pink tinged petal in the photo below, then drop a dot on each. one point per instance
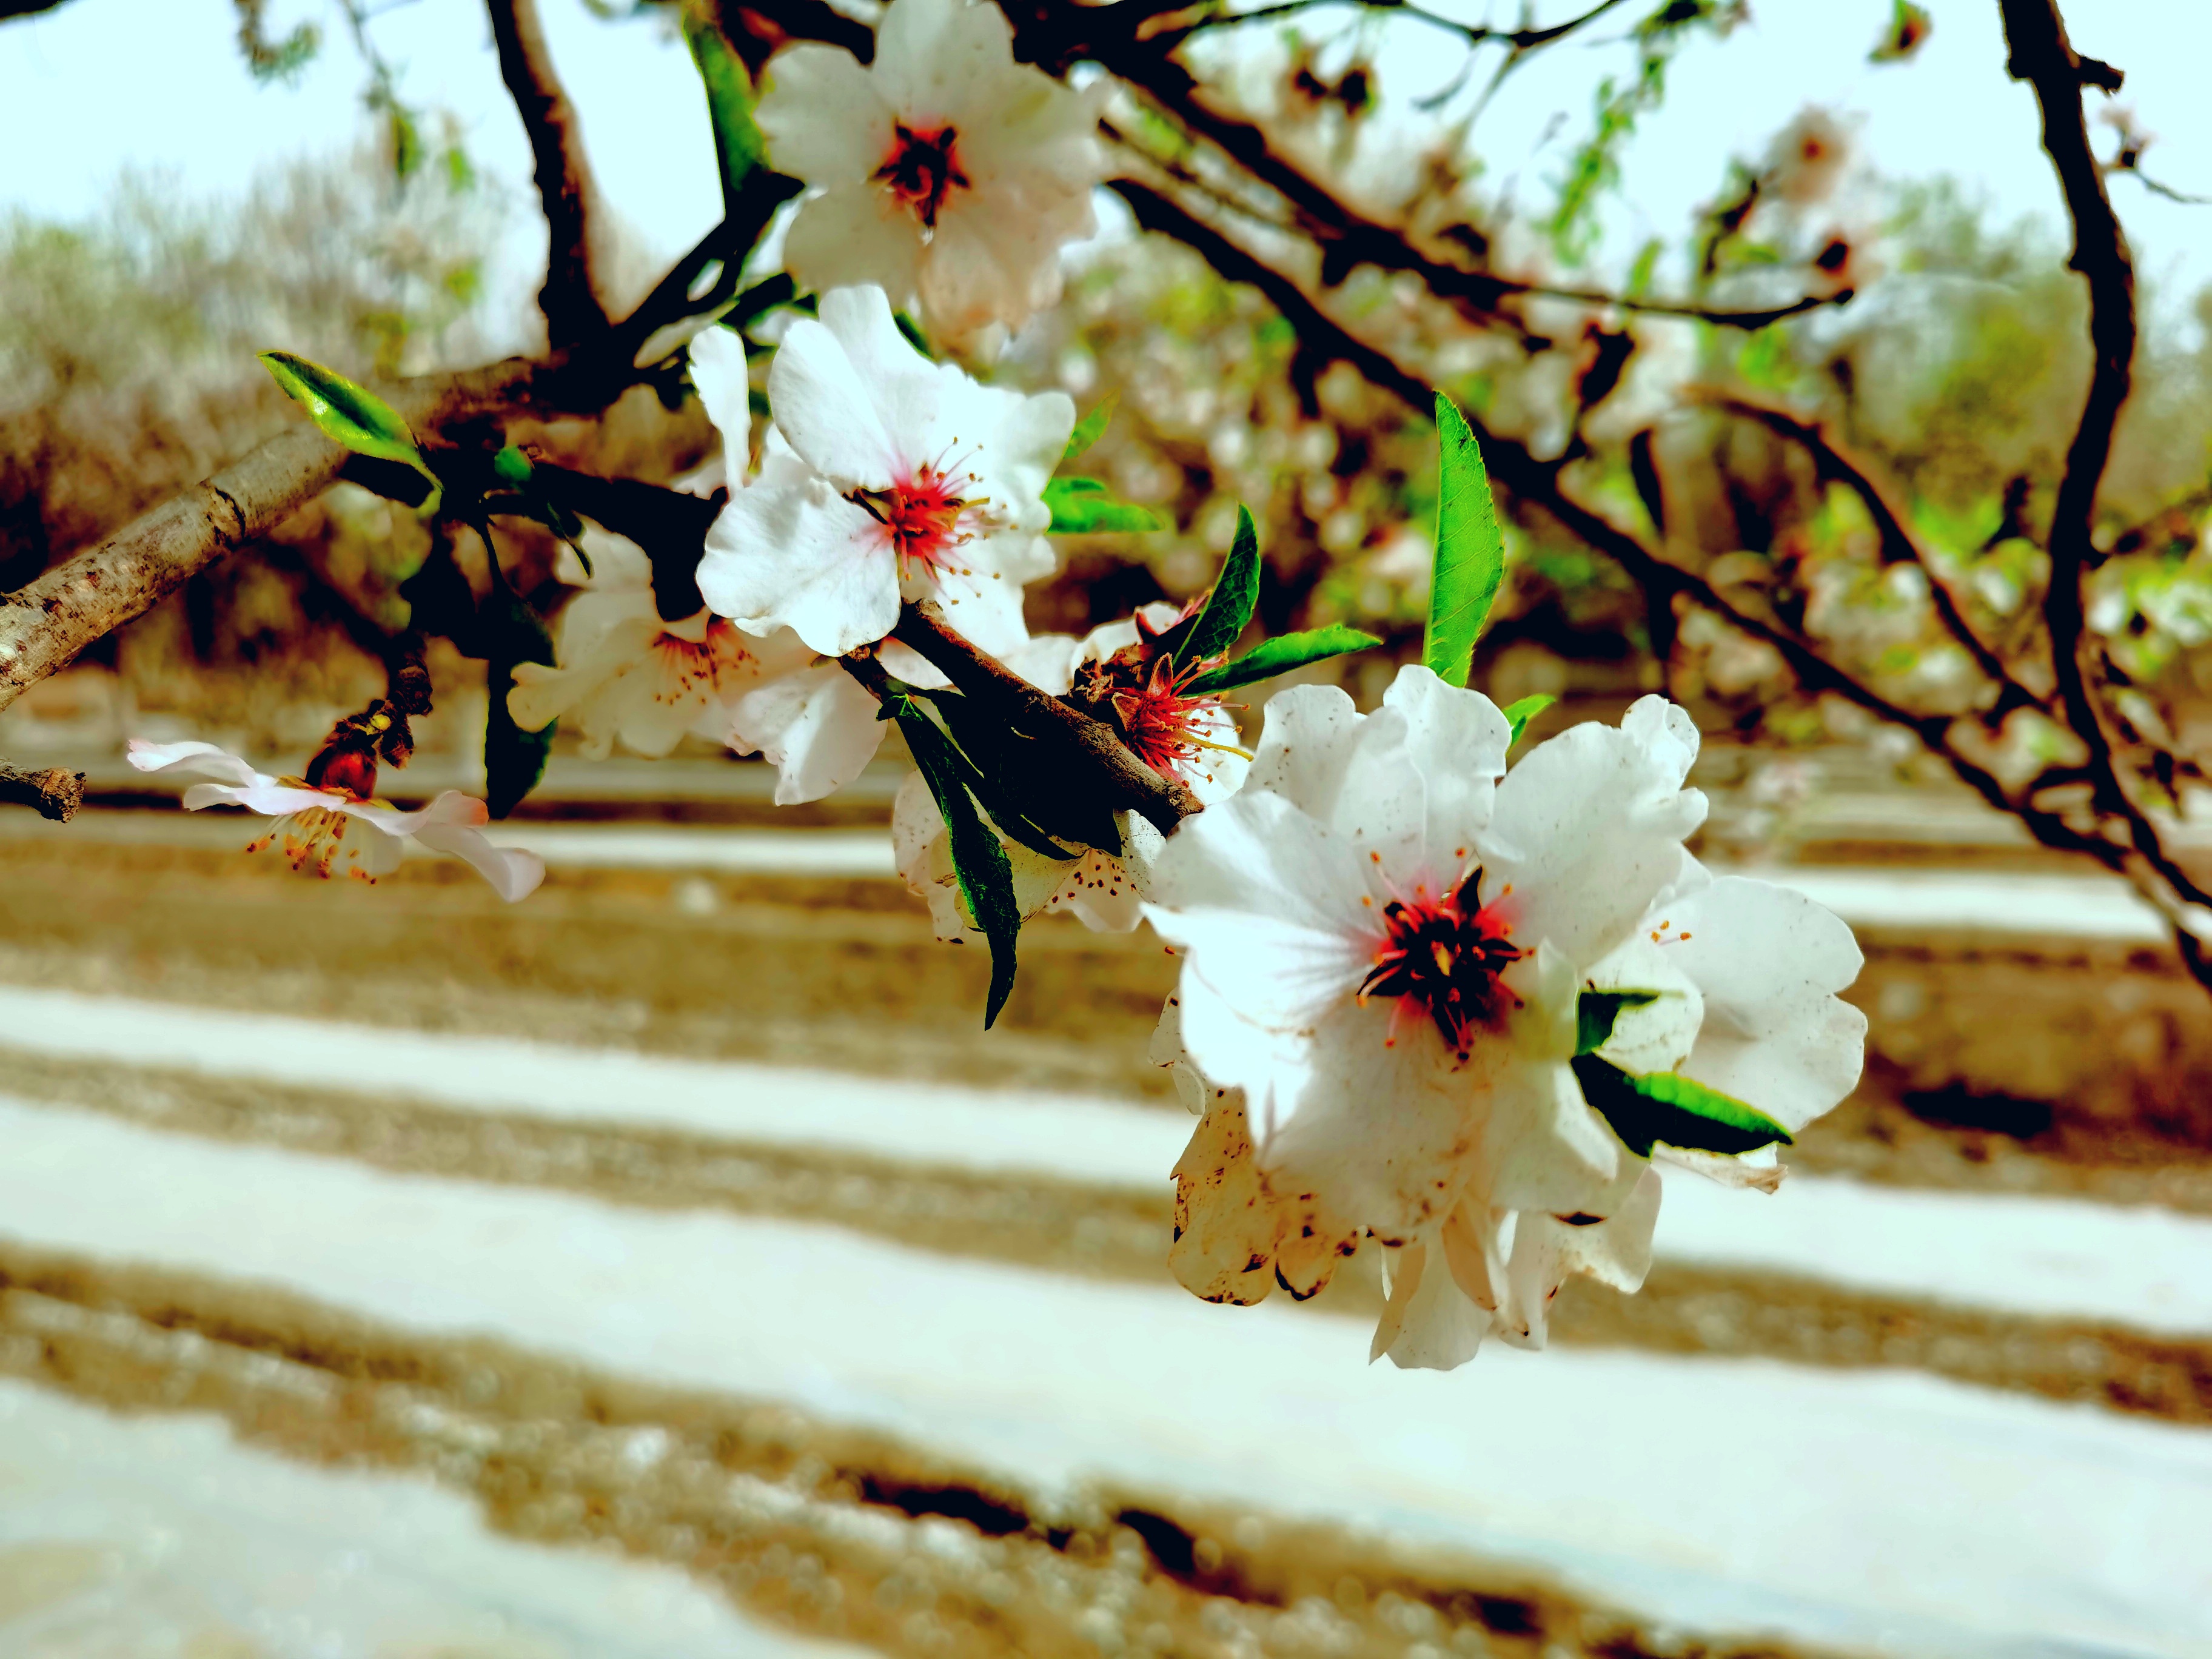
(513, 874)
(267, 796)
(1428, 1323)
(718, 370)
(1761, 1171)
(826, 409)
(914, 400)
(203, 760)
(802, 558)
(1769, 961)
(1225, 1221)
(817, 727)
(1048, 661)
(448, 807)
(1586, 831)
(1615, 1251)
(824, 121)
(1473, 1244)
(1216, 774)
(918, 846)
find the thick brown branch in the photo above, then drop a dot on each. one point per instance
(1129, 783)
(571, 299)
(44, 626)
(54, 793)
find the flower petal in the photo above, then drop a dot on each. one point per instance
(718, 370)
(817, 727)
(802, 558)
(1615, 1251)
(513, 874)
(1589, 829)
(203, 760)
(824, 118)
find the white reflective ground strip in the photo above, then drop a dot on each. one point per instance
(1870, 1509)
(163, 1535)
(1092, 1141)
(2059, 1258)
(2002, 902)
(856, 854)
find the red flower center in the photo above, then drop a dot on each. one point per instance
(1160, 723)
(922, 169)
(923, 519)
(1445, 959)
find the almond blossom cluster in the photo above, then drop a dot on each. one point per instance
(1444, 1009)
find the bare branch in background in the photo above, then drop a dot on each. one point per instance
(53, 794)
(1898, 545)
(2041, 54)
(574, 311)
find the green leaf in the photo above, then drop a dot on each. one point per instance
(1002, 765)
(1229, 607)
(1470, 551)
(987, 879)
(1082, 507)
(1596, 1011)
(1520, 713)
(1665, 1106)
(1090, 429)
(1279, 656)
(515, 759)
(738, 146)
(350, 415)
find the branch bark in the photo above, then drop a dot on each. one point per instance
(575, 311)
(53, 794)
(44, 626)
(1129, 782)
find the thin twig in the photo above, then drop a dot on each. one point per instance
(575, 312)
(54, 793)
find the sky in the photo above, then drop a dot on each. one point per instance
(96, 87)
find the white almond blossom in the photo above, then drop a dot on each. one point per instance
(327, 829)
(886, 476)
(947, 174)
(627, 673)
(1386, 937)
(1192, 740)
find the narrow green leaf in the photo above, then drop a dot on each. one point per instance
(1279, 656)
(1082, 507)
(1470, 551)
(739, 145)
(1596, 1011)
(515, 759)
(987, 879)
(1520, 713)
(1090, 429)
(1665, 1106)
(1229, 606)
(1002, 766)
(350, 415)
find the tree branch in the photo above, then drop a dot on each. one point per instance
(575, 312)
(1129, 783)
(2039, 53)
(1898, 545)
(44, 626)
(54, 793)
